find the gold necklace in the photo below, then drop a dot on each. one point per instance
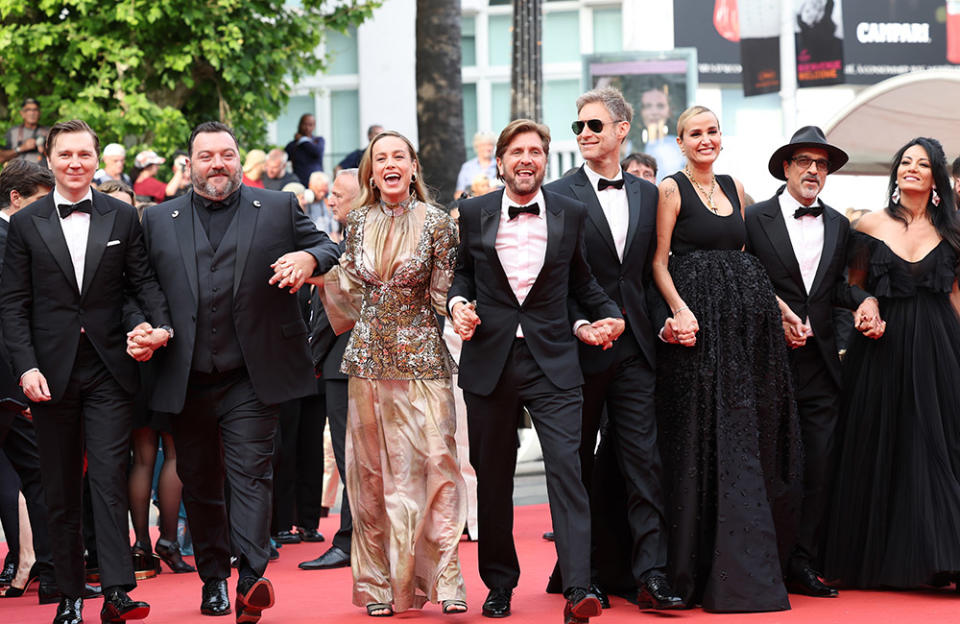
(709, 197)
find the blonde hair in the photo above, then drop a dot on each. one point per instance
(370, 194)
(693, 111)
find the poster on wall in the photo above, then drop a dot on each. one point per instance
(818, 35)
(760, 45)
(659, 86)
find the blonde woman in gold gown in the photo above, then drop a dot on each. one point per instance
(403, 479)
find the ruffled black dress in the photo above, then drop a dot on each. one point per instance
(895, 518)
(729, 434)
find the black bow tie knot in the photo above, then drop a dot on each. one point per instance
(514, 211)
(66, 210)
(605, 184)
(813, 211)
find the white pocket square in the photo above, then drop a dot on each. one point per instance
(113, 242)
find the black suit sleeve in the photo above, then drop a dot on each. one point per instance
(463, 275)
(313, 241)
(16, 302)
(583, 285)
(848, 295)
(141, 283)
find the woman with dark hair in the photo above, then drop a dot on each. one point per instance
(895, 520)
(728, 426)
(403, 479)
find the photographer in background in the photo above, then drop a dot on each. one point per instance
(26, 140)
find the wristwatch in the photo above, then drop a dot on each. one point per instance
(168, 329)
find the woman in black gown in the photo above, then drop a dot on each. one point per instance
(729, 434)
(895, 519)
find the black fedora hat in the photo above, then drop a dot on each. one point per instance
(807, 136)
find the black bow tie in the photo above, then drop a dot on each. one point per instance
(604, 184)
(68, 209)
(813, 211)
(514, 211)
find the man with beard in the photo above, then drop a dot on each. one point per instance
(802, 243)
(521, 257)
(241, 350)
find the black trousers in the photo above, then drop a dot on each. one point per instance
(94, 415)
(20, 446)
(226, 435)
(492, 422)
(336, 396)
(298, 465)
(818, 404)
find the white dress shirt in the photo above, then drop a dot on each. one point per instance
(615, 207)
(76, 229)
(806, 238)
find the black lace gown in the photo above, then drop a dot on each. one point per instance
(895, 518)
(729, 433)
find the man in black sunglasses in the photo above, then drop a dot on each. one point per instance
(620, 241)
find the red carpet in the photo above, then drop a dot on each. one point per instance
(311, 597)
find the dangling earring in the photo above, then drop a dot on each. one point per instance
(413, 177)
(895, 196)
(935, 197)
(372, 185)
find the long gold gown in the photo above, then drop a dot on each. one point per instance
(403, 478)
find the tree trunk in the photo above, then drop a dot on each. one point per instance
(526, 70)
(440, 95)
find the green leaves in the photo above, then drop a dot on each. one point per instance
(144, 72)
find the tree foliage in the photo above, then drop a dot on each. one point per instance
(146, 71)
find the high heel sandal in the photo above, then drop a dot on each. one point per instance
(452, 607)
(15, 592)
(383, 608)
(169, 552)
(145, 564)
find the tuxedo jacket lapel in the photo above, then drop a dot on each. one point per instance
(776, 230)
(52, 234)
(102, 218)
(247, 213)
(182, 214)
(489, 225)
(585, 193)
(634, 194)
(831, 231)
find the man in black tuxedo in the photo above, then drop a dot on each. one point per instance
(70, 259)
(520, 258)
(620, 238)
(328, 350)
(241, 350)
(803, 244)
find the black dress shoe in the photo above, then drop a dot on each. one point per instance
(803, 580)
(497, 604)
(118, 608)
(169, 552)
(311, 535)
(549, 536)
(215, 600)
(69, 611)
(49, 593)
(601, 595)
(656, 593)
(333, 558)
(582, 604)
(253, 596)
(287, 537)
(9, 572)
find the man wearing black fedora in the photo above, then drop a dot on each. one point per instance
(803, 244)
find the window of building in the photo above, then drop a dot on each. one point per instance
(468, 41)
(559, 107)
(607, 30)
(500, 28)
(469, 116)
(499, 106)
(342, 52)
(561, 37)
(344, 126)
(287, 122)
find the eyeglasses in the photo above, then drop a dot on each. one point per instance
(595, 125)
(823, 165)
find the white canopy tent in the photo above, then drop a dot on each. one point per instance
(885, 116)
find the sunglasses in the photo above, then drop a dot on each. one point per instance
(595, 125)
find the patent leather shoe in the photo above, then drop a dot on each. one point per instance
(582, 604)
(215, 600)
(656, 593)
(804, 580)
(15, 592)
(497, 604)
(253, 596)
(333, 558)
(49, 593)
(8, 573)
(311, 535)
(287, 537)
(601, 595)
(169, 553)
(69, 611)
(118, 608)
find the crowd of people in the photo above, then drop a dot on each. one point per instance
(674, 345)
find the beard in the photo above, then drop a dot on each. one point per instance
(523, 186)
(207, 189)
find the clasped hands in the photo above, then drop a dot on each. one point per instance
(867, 321)
(292, 269)
(144, 339)
(681, 328)
(601, 333)
(465, 319)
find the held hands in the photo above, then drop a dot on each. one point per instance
(292, 270)
(144, 339)
(793, 328)
(867, 319)
(684, 327)
(601, 333)
(34, 385)
(465, 319)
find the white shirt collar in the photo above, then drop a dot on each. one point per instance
(506, 202)
(595, 177)
(60, 199)
(4, 216)
(789, 204)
